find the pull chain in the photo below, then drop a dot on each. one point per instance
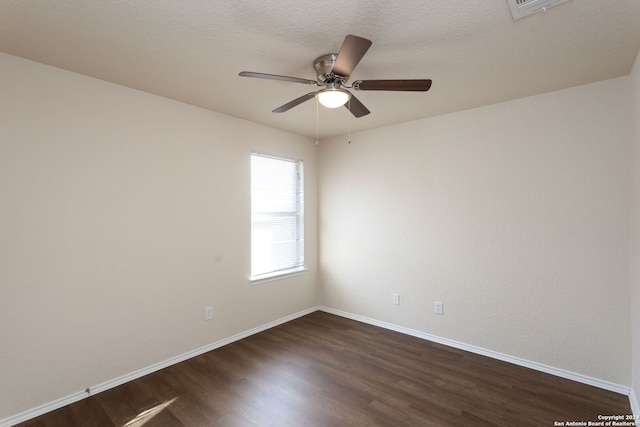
(349, 121)
(317, 123)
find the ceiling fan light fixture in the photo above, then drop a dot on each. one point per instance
(333, 97)
(333, 70)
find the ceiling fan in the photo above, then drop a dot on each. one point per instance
(333, 71)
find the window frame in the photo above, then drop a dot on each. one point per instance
(298, 214)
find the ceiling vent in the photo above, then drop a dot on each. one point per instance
(522, 8)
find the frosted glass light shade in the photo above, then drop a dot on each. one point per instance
(333, 98)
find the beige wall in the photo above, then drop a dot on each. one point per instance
(122, 216)
(514, 215)
(635, 235)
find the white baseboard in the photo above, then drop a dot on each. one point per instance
(635, 407)
(43, 409)
(59, 403)
(489, 353)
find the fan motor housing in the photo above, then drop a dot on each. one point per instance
(324, 67)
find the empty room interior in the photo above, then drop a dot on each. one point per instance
(478, 193)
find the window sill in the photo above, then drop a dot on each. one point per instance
(269, 277)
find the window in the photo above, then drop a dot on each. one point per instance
(277, 229)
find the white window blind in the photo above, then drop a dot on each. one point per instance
(277, 207)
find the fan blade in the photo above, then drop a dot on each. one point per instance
(297, 101)
(277, 77)
(352, 50)
(403, 85)
(356, 107)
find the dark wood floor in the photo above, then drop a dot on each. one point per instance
(324, 370)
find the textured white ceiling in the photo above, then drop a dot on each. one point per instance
(193, 50)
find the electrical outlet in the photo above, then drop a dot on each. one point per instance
(208, 313)
(396, 299)
(437, 307)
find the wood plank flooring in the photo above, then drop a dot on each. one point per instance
(324, 370)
